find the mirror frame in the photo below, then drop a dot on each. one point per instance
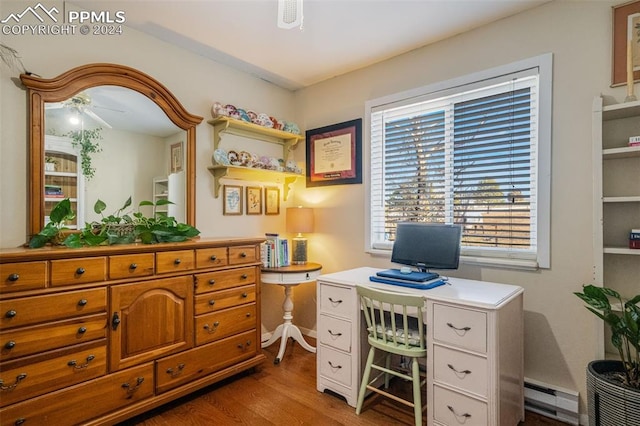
(58, 89)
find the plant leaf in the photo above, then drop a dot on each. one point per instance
(99, 206)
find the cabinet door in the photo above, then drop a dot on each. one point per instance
(150, 319)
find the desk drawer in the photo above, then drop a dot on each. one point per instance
(335, 365)
(242, 254)
(131, 265)
(335, 332)
(23, 276)
(175, 261)
(31, 310)
(461, 327)
(78, 271)
(220, 280)
(461, 370)
(218, 300)
(337, 300)
(211, 257)
(451, 408)
(225, 323)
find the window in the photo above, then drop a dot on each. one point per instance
(473, 151)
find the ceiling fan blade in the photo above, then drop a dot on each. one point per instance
(96, 118)
(53, 105)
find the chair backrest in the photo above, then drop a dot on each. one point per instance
(394, 320)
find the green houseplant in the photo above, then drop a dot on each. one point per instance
(613, 387)
(54, 230)
(86, 141)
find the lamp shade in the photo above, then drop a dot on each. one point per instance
(299, 220)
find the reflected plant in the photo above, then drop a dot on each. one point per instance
(85, 141)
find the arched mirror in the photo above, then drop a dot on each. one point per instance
(108, 132)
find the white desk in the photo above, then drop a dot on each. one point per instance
(475, 368)
(289, 277)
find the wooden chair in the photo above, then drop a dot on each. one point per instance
(388, 324)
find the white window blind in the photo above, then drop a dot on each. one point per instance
(466, 155)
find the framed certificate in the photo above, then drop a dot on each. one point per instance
(334, 154)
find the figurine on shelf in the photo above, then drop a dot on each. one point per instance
(291, 128)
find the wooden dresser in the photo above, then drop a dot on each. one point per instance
(98, 335)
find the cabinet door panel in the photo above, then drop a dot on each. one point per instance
(150, 319)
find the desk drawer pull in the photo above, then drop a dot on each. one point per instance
(10, 314)
(337, 302)
(243, 254)
(20, 377)
(10, 344)
(458, 372)
(244, 276)
(177, 371)
(82, 302)
(131, 390)
(80, 271)
(75, 365)
(177, 262)
(463, 329)
(133, 266)
(334, 366)
(14, 277)
(212, 302)
(462, 417)
(212, 282)
(210, 329)
(334, 334)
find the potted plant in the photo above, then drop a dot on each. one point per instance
(54, 230)
(613, 386)
(86, 141)
(50, 164)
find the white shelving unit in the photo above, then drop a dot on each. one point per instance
(616, 188)
(66, 178)
(160, 192)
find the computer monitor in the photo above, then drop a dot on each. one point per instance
(427, 245)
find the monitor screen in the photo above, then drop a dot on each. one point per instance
(427, 245)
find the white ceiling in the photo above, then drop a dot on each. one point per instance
(338, 36)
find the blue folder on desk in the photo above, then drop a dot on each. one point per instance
(410, 284)
(411, 276)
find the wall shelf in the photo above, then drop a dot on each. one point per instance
(249, 174)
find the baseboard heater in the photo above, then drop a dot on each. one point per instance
(551, 401)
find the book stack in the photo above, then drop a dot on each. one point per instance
(53, 191)
(275, 251)
(634, 239)
(634, 141)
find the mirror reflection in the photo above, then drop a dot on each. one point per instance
(109, 143)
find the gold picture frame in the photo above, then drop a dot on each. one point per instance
(621, 20)
(253, 197)
(271, 201)
(232, 200)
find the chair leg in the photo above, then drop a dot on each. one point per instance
(417, 400)
(387, 376)
(365, 379)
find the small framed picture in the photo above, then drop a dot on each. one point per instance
(254, 200)
(232, 200)
(176, 157)
(272, 200)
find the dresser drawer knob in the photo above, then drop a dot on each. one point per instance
(20, 377)
(337, 367)
(213, 258)
(461, 417)
(247, 344)
(458, 372)
(212, 302)
(133, 266)
(210, 329)
(80, 271)
(462, 329)
(14, 277)
(244, 276)
(212, 282)
(334, 334)
(177, 262)
(82, 330)
(130, 389)
(243, 254)
(20, 421)
(245, 295)
(177, 371)
(248, 314)
(75, 365)
(10, 344)
(83, 302)
(10, 314)
(115, 321)
(335, 302)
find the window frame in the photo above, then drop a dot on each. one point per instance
(544, 65)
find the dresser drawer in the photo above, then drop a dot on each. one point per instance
(337, 300)
(187, 366)
(76, 366)
(335, 332)
(451, 408)
(225, 323)
(461, 370)
(23, 276)
(242, 254)
(211, 257)
(335, 365)
(32, 310)
(79, 403)
(78, 271)
(217, 300)
(461, 327)
(175, 261)
(131, 265)
(30, 340)
(219, 280)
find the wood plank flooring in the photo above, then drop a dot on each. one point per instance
(283, 394)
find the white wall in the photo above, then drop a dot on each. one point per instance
(559, 331)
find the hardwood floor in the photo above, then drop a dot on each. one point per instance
(283, 394)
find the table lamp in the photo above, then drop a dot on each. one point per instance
(299, 221)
